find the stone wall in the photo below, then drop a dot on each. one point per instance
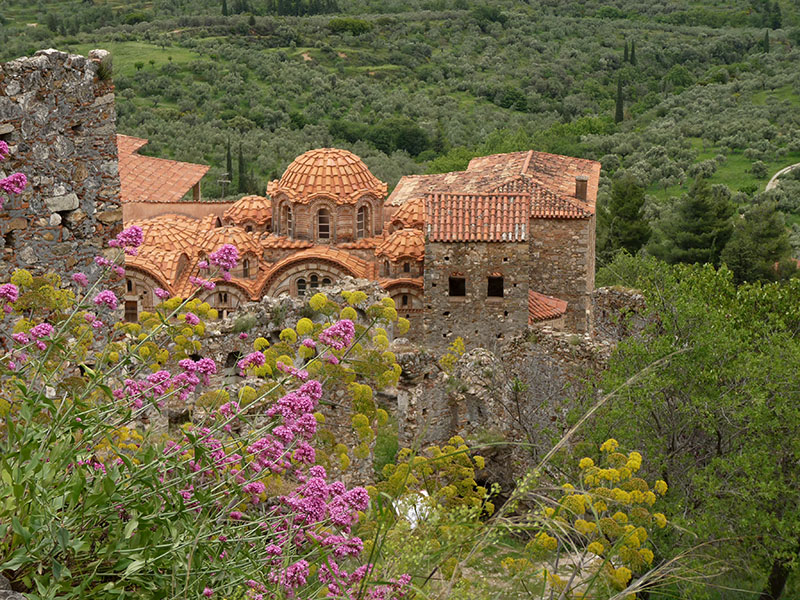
(480, 320)
(562, 258)
(618, 312)
(57, 114)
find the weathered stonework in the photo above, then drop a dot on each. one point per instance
(482, 321)
(562, 257)
(57, 115)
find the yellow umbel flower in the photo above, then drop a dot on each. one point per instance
(595, 548)
(586, 463)
(610, 445)
(660, 520)
(289, 336)
(318, 301)
(660, 487)
(348, 312)
(304, 326)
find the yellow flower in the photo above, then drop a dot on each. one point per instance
(22, 278)
(586, 463)
(355, 298)
(600, 506)
(660, 487)
(650, 498)
(318, 301)
(260, 343)
(289, 336)
(620, 517)
(585, 527)
(621, 496)
(595, 548)
(348, 312)
(623, 576)
(610, 445)
(647, 555)
(480, 462)
(545, 541)
(304, 326)
(388, 302)
(660, 519)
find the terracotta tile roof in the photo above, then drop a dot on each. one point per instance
(327, 172)
(256, 209)
(404, 243)
(171, 232)
(369, 243)
(513, 173)
(544, 308)
(474, 217)
(390, 284)
(229, 234)
(411, 214)
(281, 242)
(149, 179)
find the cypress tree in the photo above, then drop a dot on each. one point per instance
(242, 183)
(625, 56)
(619, 114)
(621, 223)
(633, 52)
(759, 240)
(766, 41)
(224, 8)
(229, 161)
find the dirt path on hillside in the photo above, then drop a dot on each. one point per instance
(774, 181)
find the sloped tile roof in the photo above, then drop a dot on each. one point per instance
(256, 209)
(478, 218)
(514, 172)
(149, 179)
(330, 173)
(403, 243)
(229, 234)
(390, 284)
(411, 214)
(281, 242)
(368, 243)
(544, 308)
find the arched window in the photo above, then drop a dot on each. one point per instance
(404, 300)
(249, 228)
(313, 281)
(363, 222)
(301, 287)
(287, 221)
(326, 281)
(323, 224)
(386, 268)
(406, 267)
(246, 268)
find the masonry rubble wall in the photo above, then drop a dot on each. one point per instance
(618, 312)
(57, 115)
(562, 262)
(477, 318)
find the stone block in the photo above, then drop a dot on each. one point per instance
(60, 203)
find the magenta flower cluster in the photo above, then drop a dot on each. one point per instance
(225, 258)
(339, 335)
(106, 298)
(128, 239)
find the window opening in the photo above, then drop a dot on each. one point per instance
(406, 267)
(131, 311)
(313, 281)
(362, 222)
(404, 300)
(301, 287)
(323, 224)
(495, 287)
(129, 285)
(223, 297)
(246, 268)
(326, 281)
(458, 286)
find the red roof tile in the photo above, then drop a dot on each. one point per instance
(282, 242)
(544, 308)
(149, 179)
(479, 218)
(411, 214)
(404, 243)
(327, 172)
(256, 209)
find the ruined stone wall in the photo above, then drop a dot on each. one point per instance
(562, 259)
(477, 318)
(57, 114)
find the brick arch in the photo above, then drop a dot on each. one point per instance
(405, 287)
(281, 279)
(234, 296)
(374, 224)
(144, 274)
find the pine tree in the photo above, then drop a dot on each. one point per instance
(621, 224)
(765, 43)
(619, 114)
(625, 56)
(698, 229)
(633, 52)
(224, 8)
(758, 242)
(242, 183)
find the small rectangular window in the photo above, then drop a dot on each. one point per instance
(406, 267)
(458, 286)
(131, 311)
(495, 288)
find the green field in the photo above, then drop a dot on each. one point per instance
(125, 55)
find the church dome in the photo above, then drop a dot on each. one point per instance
(405, 243)
(250, 208)
(327, 172)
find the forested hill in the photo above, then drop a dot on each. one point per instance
(667, 91)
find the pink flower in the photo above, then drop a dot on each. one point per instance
(4, 150)
(14, 183)
(339, 335)
(129, 239)
(208, 592)
(102, 261)
(9, 292)
(255, 359)
(225, 258)
(80, 279)
(202, 265)
(243, 336)
(235, 515)
(163, 294)
(42, 330)
(20, 338)
(108, 298)
(119, 270)
(204, 283)
(191, 318)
